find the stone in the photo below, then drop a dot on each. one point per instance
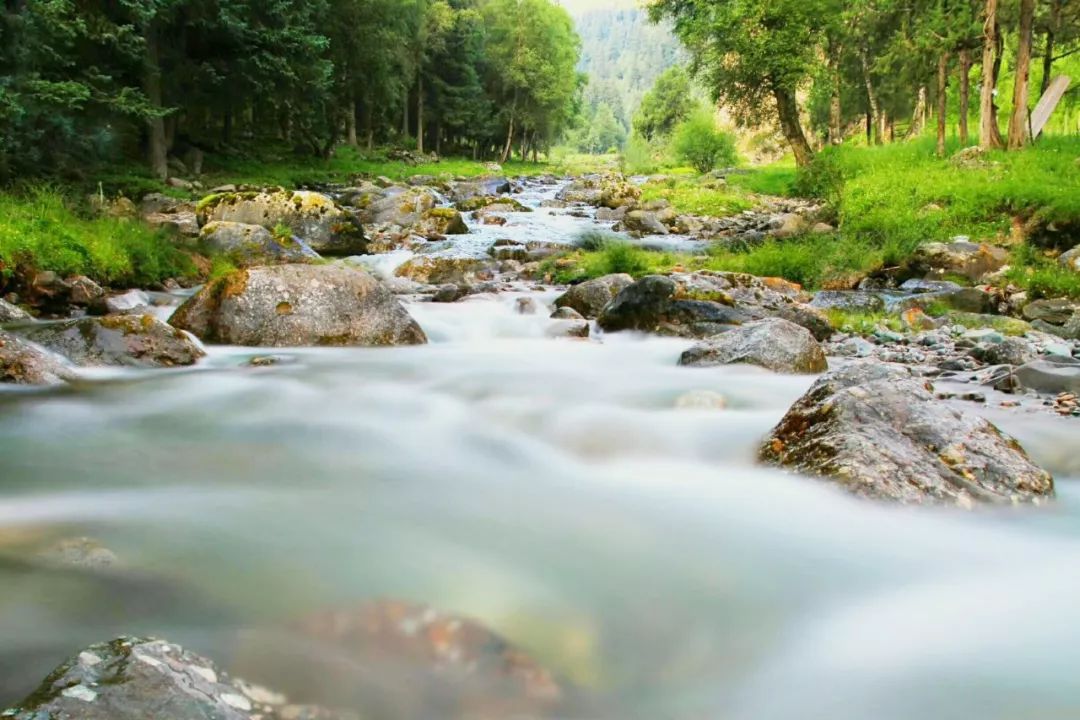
(117, 340)
(178, 223)
(951, 297)
(568, 328)
(135, 678)
(789, 225)
(526, 306)
(83, 291)
(1007, 351)
(643, 222)
(878, 433)
(701, 400)
(449, 293)
(248, 245)
(1071, 259)
(298, 305)
(81, 552)
(592, 296)
(616, 191)
(128, 303)
(582, 191)
(774, 343)
(439, 270)
(325, 226)
(566, 313)
(915, 319)
(1055, 311)
(438, 222)
(1048, 376)
(23, 363)
(12, 313)
(971, 260)
(400, 206)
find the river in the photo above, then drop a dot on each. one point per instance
(566, 493)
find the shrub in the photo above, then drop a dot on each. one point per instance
(699, 143)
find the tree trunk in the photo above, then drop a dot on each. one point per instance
(1018, 122)
(405, 116)
(871, 97)
(942, 100)
(350, 123)
(787, 109)
(989, 133)
(836, 133)
(918, 118)
(1052, 26)
(156, 147)
(419, 112)
(965, 94)
(509, 142)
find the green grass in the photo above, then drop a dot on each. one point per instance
(863, 322)
(697, 196)
(778, 179)
(1042, 276)
(39, 230)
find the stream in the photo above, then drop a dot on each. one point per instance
(576, 496)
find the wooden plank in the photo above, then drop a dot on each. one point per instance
(1050, 99)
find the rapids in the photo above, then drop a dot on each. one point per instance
(555, 490)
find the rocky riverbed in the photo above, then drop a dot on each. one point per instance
(415, 479)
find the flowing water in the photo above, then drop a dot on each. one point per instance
(559, 491)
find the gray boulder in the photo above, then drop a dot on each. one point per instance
(1071, 259)
(773, 343)
(325, 226)
(298, 305)
(879, 433)
(117, 340)
(849, 300)
(960, 257)
(1047, 376)
(137, 678)
(128, 303)
(948, 294)
(592, 296)
(12, 313)
(465, 190)
(566, 313)
(1010, 351)
(1055, 311)
(400, 206)
(23, 363)
(643, 222)
(248, 245)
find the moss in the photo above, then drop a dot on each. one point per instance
(716, 296)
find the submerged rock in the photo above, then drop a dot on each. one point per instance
(592, 296)
(326, 227)
(774, 343)
(138, 678)
(298, 305)
(879, 433)
(120, 340)
(23, 363)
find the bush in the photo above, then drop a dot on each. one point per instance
(698, 143)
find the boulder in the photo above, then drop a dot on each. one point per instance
(84, 291)
(643, 222)
(298, 305)
(439, 270)
(774, 343)
(566, 313)
(491, 204)
(1056, 311)
(592, 296)
(438, 222)
(706, 303)
(616, 191)
(137, 678)
(952, 297)
(568, 329)
(12, 313)
(849, 300)
(326, 227)
(23, 363)
(1047, 376)
(400, 206)
(582, 191)
(874, 430)
(960, 257)
(484, 187)
(117, 340)
(1009, 351)
(1071, 259)
(132, 302)
(248, 245)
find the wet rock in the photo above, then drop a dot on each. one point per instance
(138, 678)
(248, 245)
(466, 190)
(439, 270)
(1009, 351)
(568, 328)
(399, 206)
(566, 313)
(915, 319)
(439, 222)
(774, 343)
(485, 204)
(1048, 376)
(449, 293)
(878, 433)
(117, 340)
(131, 302)
(582, 191)
(12, 313)
(526, 306)
(1055, 311)
(83, 291)
(643, 222)
(848, 300)
(592, 296)
(945, 294)
(504, 249)
(616, 192)
(960, 257)
(298, 305)
(326, 227)
(23, 363)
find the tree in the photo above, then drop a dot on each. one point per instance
(605, 132)
(700, 144)
(989, 132)
(667, 104)
(1018, 121)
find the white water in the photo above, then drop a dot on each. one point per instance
(553, 490)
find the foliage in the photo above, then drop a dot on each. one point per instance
(699, 143)
(691, 195)
(1041, 276)
(667, 104)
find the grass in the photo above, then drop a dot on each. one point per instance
(39, 230)
(1042, 276)
(698, 196)
(778, 179)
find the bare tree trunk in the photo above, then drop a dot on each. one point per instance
(787, 109)
(1018, 122)
(965, 94)
(989, 133)
(942, 100)
(836, 132)
(509, 142)
(156, 146)
(350, 122)
(918, 118)
(1052, 27)
(871, 97)
(405, 116)
(419, 112)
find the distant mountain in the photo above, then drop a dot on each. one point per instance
(622, 52)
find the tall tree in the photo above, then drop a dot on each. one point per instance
(1018, 121)
(989, 132)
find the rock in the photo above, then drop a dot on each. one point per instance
(642, 222)
(592, 296)
(117, 340)
(774, 343)
(138, 678)
(948, 295)
(128, 303)
(848, 300)
(400, 206)
(1071, 329)
(1055, 311)
(449, 293)
(616, 191)
(178, 223)
(566, 313)
(438, 222)
(81, 552)
(12, 313)
(326, 227)
(298, 305)
(1071, 259)
(23, 363)
(822, 229)
(248, 245)
(439, 270)
(568, 328)
(973, 157)
(526, 306)
(915, 319)
(789, 225)
(582, 191)
(701, 400)
(1009, 351)
(83, 291)
(879, 433)
(484, 202)
(180, 183)
(1047, 376)
(972, 260)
